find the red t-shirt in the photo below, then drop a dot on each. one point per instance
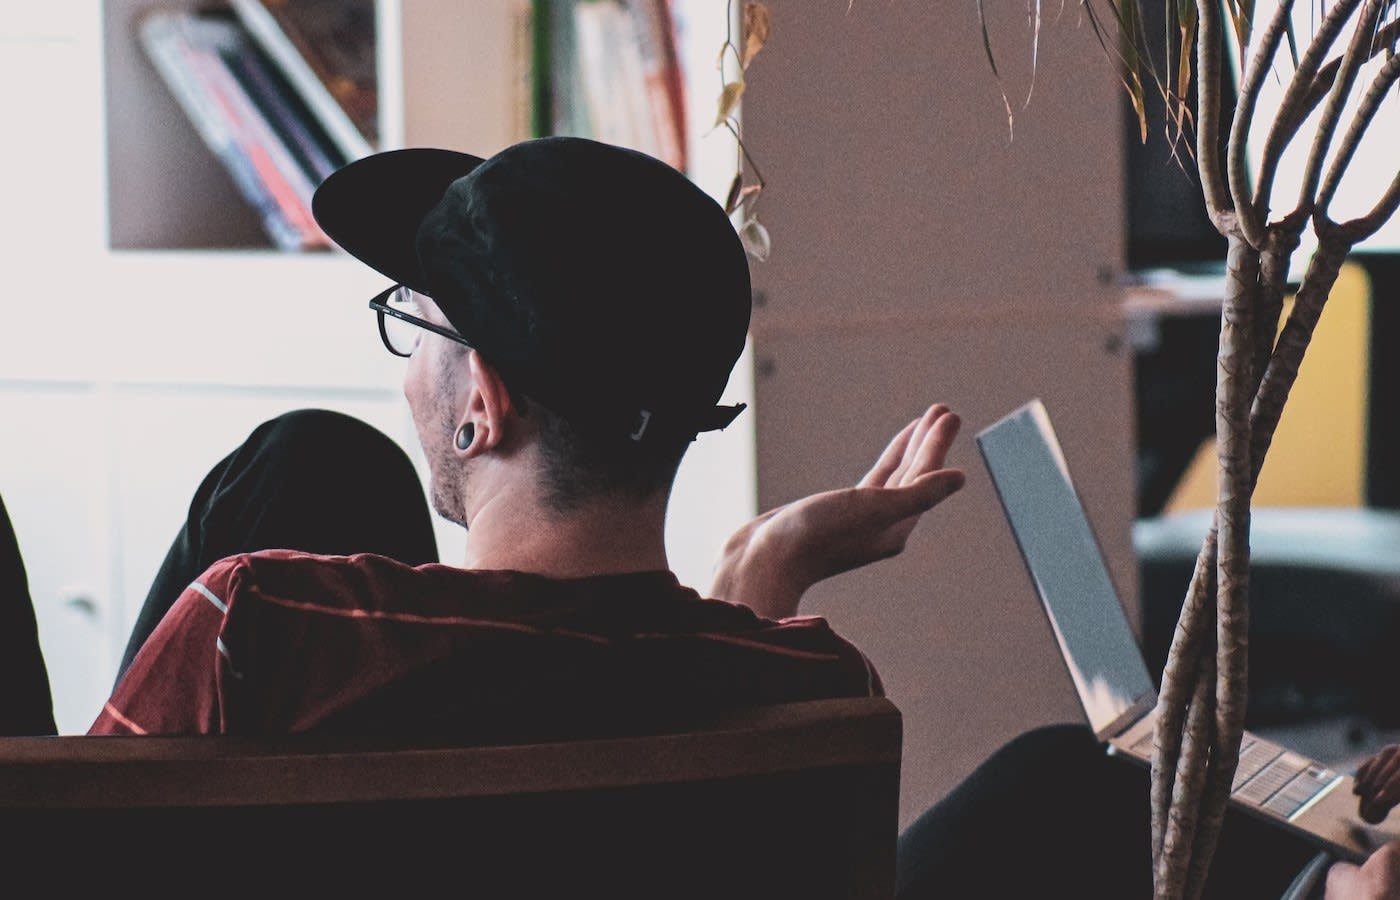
(279, 641)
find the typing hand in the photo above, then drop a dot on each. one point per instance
(1378, 784)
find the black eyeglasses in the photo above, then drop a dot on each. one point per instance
(400, 326)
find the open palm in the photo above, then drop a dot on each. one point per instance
(774, 558)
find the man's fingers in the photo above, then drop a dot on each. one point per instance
(1383, 782)
(1375, 771)
(934, 443)
(1385, 770)
(919, 448)
(924, 493)
(927, 447)
(1361, 778)
(1378, 784)
(939, 485)
(890, 459)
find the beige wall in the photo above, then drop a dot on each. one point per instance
(922, 253)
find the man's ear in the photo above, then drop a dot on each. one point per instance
(489, 406)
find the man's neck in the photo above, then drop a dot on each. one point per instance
(516, 532)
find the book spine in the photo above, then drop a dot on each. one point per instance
(264, 28)
(270, 158)
(605, 123)
(529, 68)
(176, 60)
(630, 78)
(568, 102)
(542, 65)
(661, 73)
(611, 77)
(311, 149)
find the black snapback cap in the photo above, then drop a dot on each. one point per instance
(600, 281)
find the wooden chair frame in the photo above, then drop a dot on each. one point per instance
(792, 800)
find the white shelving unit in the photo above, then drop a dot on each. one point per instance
(151, 326)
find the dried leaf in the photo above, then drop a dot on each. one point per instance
(741, 196)
(731, 202)
(729, 100)
(757, 22)
(755, 239)
(1128, 58)
(1179, 110)
(1241, 13)
(1129, 25)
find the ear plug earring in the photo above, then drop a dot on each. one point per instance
(465, 435)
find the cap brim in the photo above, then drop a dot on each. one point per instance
(372, 207)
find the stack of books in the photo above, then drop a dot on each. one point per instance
(615, 74)
(284, 92)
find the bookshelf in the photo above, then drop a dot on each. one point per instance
(513, 69)
(182, 327)
(168, 191)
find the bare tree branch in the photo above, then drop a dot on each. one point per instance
(1365, 113)
(1299, 98)
(1253, 217)
(1179, 676)
(1173, 862)
(1358, 51)
(1279, 246)
(1208, 55)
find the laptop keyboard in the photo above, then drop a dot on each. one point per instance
(1268, 776)
(1276, 779)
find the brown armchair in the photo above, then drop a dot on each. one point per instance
(799, 800)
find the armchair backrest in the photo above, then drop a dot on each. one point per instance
(798, 800)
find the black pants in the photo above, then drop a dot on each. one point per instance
(310, 480)
(1047, 813)
(1051, 814)
(26, 706)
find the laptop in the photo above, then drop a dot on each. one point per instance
(1110, 675)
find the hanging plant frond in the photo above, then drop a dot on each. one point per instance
(729, 101)
(757, 23)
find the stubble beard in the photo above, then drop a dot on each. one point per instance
(448, 471)
(448, 491)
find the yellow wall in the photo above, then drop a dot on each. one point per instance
(1318, 457)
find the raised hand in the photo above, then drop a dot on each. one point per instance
(771, 561)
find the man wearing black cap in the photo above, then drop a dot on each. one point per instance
(570, 312)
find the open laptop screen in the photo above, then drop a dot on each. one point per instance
(1065, 564)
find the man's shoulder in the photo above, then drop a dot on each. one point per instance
(293, 562)
(297, 564)
(432, 593)
(310, 580)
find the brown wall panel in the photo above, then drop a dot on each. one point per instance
(953, 624)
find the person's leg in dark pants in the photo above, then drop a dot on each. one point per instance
(26, 704)
(310, 480)
(1051, 814)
